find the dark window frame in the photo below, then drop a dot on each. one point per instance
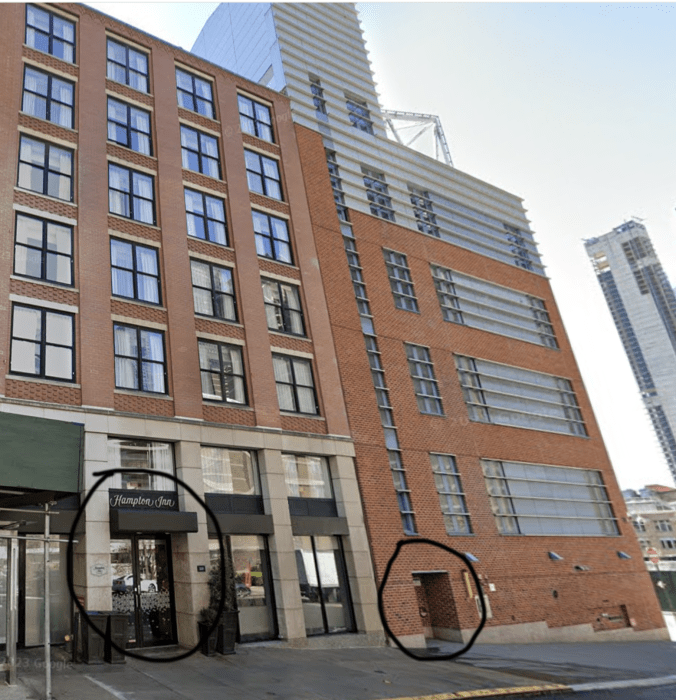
(45, 168)
(126, 66)
(130, 194)
(359, 114)
(205, 217)
(128, 128)
(135, 272)
(222, 374)
(42, 343)
(214, 293)
(44, 252)
(378, 194)
(50, 36)
(401, 282)
(195, 99)
(202, 157)
(425, 383)
(260, 126)
(271, 238)
(317, 92)
(138, 358)
(291, 360)
(282, 310)
(48, 98)
(265, 180)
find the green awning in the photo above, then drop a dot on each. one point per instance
(36, 453)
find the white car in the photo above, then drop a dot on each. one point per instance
(124, 584)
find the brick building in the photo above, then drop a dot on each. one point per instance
(471, 423)
(160, 308)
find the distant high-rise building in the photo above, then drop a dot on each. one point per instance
(643, 305)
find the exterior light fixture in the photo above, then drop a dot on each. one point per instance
(623, 555)
(581, 567)
(554, 556)
(471, 557)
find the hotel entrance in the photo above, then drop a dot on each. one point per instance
(142, 587)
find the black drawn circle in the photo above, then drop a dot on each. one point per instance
(69, 564)
(381, 607)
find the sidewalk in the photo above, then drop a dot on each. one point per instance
(271, 672)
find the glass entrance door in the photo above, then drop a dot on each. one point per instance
(141, 582)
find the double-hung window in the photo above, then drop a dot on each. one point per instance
(317, 95)
(255, 118)
(295, 385)
(50, 33)
(282, 307)
(359, 115)
(213, 290)
(424, 382)
(199, 152)
(127, 66)
(43, 250)
(131, 194)
(424, 211)
(205, 217)
(135, 270)
(377, 194)
(272, 237)
(263, 175)
(43, 343)
(48, 97)
(129, 126)
(400, 280)
(222, 372)
(140, 362)
(451, 495)
(46, 168)
(194, 93)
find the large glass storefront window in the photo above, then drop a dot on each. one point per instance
(307, 476)
(230, 471)
(323, 585)
(141, 454)
(253, 584)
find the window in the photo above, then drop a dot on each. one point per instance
(129, 126)
(317, 95)
(255, 118)
(43, 343)
(46, 168)
(336, 184)
(205, 217)
(135, 271)
(307, 476)
(639, 525)
(663, 526)
(127, 66)
(507, 395)
(295, 385)
(423, 211)
(50, 33)
(359, 115)
(230, 471)
(199, 152)
(194, 93)
(131, 194)
(377, 194)
(272, 237)
(282, 307)
(213, 290)
(139, 359)
(424, 382)
(669, 543)
(43, 250)
(47, 97)
(534, 499)
(401, 488)
(222, 372)
(263, 175)
(141, 454)
(481, 304)
(451, 496)
(400, 281)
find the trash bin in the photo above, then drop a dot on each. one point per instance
(93, 644)
(117, 632)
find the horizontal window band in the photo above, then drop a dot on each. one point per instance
(38, 135)
(140, 322)
(43, 303)
(41, 214)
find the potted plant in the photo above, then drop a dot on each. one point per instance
(223, 638)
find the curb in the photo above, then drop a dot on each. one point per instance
(494, 692)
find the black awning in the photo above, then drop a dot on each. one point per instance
(129, 520)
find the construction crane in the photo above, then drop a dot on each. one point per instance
(423, 123)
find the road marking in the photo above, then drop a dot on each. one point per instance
(609, 685)
(491, 692)
(109, 688)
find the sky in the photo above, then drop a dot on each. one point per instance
(571, 107)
